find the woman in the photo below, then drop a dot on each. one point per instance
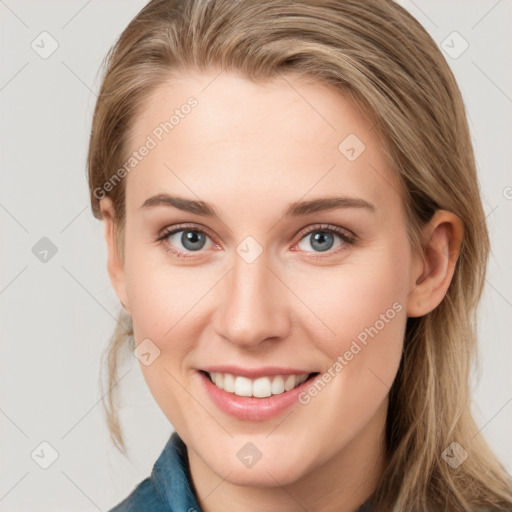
(230, 141)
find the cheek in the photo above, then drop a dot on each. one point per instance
(360, 299)
(163, 302)
(363, 304)
(366, 312)
(160, 295)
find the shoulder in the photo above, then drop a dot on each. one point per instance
(143, 497)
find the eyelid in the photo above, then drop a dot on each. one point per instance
(178, 253)
(182, 227)
(348, 239)
(342, 232)
(347, 236)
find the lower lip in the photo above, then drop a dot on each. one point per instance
(251, 408)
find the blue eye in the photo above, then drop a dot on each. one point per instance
(321, 238)
(191, 239)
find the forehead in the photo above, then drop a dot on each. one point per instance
(224, 138)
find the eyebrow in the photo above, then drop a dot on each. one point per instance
(295, 209)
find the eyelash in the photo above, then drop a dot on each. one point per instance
(324, 228)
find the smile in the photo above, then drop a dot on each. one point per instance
(259, 388)
(257, 395)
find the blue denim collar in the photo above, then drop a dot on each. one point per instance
(171, 477)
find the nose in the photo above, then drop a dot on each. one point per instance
(254, 304)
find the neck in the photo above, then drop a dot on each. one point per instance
(342, 484)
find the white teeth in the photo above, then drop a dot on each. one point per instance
(278, 385)
(243, 386)
(229, 383)
(218, 379)
(260, 388)
(289, 383)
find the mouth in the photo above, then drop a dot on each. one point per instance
(261, 387)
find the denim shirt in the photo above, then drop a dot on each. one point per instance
(169, 488)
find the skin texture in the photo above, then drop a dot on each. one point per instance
(251, 149)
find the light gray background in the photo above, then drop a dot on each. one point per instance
(57, 316)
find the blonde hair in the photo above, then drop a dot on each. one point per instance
(377, 53)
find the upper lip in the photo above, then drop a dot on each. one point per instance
(253, 373)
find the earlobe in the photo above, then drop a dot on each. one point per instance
(115, 265)
(442, 241)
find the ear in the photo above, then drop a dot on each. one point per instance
(115, 264)
(434, 268)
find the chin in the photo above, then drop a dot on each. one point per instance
(269, 475)
(272, 470)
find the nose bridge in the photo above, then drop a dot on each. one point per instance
(252, 309)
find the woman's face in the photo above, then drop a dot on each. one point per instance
(259, 280)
